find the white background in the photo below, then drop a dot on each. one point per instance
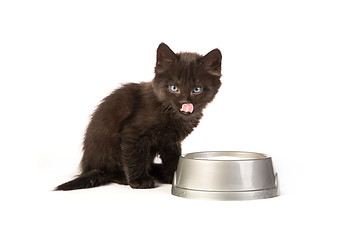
(290, 89)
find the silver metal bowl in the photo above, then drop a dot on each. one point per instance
(225, 176)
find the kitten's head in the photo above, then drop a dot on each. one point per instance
(186, 82)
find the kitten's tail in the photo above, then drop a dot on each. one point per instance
(92, 179)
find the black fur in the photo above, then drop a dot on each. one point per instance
(141, 120)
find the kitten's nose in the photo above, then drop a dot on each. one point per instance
(184, 102)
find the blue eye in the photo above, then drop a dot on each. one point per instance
(197, 90)
(173, 88)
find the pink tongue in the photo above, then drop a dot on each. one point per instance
(187, 107)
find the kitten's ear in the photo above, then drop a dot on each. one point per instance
(165, 58)
(212, 62)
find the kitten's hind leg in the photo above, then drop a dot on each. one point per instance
(119, 179)
(137, 159)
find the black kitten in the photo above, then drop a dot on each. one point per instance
(138, 121)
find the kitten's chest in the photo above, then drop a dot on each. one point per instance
(173, 130)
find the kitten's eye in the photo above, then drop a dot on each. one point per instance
(173, 88)
(197, 90)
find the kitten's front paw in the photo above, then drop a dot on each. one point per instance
(142, 182)
(168, 179)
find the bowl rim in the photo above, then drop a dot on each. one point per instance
(205, 156)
